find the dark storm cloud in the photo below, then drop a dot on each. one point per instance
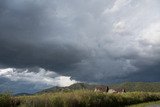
(147, 74)
(27, 39)
(95, 41)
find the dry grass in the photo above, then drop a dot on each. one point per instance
(5, 100)
(85, 98)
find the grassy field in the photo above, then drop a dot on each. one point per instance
(138, 86)
(147, 104)
(78, 98)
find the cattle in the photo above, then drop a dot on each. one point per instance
(106, 89)
(112, 91)
(101, 89)
(116, 91)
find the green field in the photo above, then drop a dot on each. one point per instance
(139, 86)
(78, 98)
(147, 104)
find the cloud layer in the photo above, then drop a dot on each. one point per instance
(28, 81)
(94, 41)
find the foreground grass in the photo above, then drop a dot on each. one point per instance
(5, 100)
(83, 98)
(147, 104)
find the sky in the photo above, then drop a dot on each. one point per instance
(46, 43)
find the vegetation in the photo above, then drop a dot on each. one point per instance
(5, 100)
(129, 86)
(139, 86)
(147, 104)
(82, 95)
(78, 98)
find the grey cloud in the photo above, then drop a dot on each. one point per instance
(29, 38)
(94, 41)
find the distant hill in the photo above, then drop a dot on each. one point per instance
(82, 86)
(129, 86)
(75, 86)
(22, 94)
(139, 86)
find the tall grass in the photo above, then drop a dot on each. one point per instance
(78, 98)
(5, 100)
(87, 98)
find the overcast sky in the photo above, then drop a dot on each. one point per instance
(61, 42)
